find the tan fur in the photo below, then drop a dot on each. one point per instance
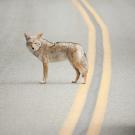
(58, 51)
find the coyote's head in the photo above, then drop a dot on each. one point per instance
(33, 42)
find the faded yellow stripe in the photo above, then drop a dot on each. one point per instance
(81, 94)
(102, 99)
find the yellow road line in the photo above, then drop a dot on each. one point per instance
(102, 99)
(81, 95)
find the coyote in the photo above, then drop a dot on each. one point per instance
(52, 52)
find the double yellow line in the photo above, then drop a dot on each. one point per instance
(102, 99)
(81, 95)
(101, 103)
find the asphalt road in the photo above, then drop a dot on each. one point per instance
(120, 19)
(29, 108)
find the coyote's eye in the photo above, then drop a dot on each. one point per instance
(36, 43)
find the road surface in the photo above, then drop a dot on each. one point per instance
(29, 108)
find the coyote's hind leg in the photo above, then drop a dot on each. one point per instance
(85, 77)
(77, 75)
(83, 70)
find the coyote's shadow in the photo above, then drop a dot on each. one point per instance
(38, 83)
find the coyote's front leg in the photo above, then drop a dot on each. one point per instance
(45, 73)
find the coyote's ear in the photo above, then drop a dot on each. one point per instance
(39, 35)
(27, 36)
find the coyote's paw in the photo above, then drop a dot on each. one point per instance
(74, 81)
(42, 82)
(84, 82)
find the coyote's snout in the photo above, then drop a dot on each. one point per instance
(52, 52)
